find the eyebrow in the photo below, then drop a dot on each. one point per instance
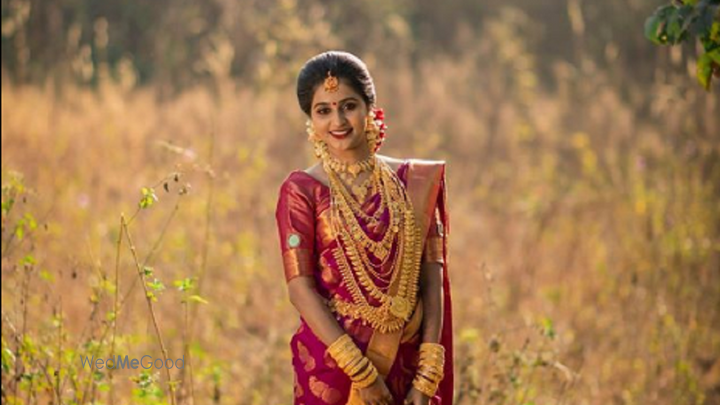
(339, 102)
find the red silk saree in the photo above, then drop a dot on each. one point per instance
(310, 249)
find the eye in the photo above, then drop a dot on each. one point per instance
(350, 106)
(322, 111)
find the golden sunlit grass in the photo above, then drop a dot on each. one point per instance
(584, 236)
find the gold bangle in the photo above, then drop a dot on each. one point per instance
(369, 380)
(429, 378)
(433, 351)
(362, 375)
(351, 360)
(339, 345)
(356, 367)
(348, 359)
(431, 346)
(425, 387)
(435, 360)
(439, 365)
(345, 353)
(430, 370)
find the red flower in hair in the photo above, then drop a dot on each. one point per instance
(379, 118)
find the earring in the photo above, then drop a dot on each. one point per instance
(318, 144)
(310, 129)
(371, 132)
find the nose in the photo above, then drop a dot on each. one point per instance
(338, 119)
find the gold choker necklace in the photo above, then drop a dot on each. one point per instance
(343, 168)
(349, 172)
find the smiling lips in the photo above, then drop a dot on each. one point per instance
(341, 134)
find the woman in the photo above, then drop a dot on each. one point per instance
(363, 238)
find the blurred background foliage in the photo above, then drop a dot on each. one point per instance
(180, 43)
(583, 175)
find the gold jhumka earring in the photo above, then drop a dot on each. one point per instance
(371, 131)
(318, 144)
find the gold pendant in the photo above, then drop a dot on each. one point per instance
(359, 192)
(400, 307)
(354, 169)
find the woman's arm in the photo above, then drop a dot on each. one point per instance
(312, 308)
(317, 315)
(431, 278)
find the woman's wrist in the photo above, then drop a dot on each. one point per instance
(431, 364)
(351, 360)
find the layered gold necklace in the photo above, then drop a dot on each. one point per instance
(398, 299)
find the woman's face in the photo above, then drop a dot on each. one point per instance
(339, 120)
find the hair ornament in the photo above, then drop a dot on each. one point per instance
(332, 84)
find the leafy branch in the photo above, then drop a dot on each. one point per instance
(683, 21)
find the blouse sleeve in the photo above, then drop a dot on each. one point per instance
(433, 252)
(296, 228)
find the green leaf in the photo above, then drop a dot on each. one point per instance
(654, 22)
(19, 231)
(185, 284)
(148, 197)
(156, 285)
(674, 27)
(47, 276)
(704, 70)
(715, 32)
(8, 359)
(28, 260)
(30, 222)
(701, 23)
(197, 298)
(714, 55)
(547, 327)
(7, 205)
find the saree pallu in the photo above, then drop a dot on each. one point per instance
(310, 249)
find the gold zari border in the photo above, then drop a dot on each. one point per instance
(297, 262)
(433, 250)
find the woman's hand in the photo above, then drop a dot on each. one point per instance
(415, 397)
(376, 394)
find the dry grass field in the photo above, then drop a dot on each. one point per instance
(584, 235)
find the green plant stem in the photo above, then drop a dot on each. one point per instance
(151, 308)
(116, 309)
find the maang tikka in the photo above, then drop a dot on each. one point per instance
(331, 84)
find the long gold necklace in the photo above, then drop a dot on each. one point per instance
(394, 310)
(355, 205)
(380, 248)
